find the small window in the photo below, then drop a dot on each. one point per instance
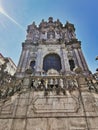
(72, 64)
(32, 64)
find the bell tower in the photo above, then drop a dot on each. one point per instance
(53, 88)
(51, 46)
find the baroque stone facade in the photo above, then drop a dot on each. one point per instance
(54, 39)
(53, 88)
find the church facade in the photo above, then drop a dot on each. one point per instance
(56, 90)
(51, 46)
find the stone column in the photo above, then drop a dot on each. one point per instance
(65, 63)
(25, 60)
(38, 60)
(78, 58)
(28, 60)
(75, 58)
(62, 59)
(83, 60)
(21, 61)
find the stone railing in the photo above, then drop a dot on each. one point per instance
(56, 84)
(53, 83)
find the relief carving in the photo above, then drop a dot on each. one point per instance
(61, 104)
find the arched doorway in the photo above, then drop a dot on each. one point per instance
(52, 61)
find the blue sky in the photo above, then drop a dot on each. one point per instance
(82, 13)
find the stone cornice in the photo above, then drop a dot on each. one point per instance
(76, 45)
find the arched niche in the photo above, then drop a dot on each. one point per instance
(72, 64)
(52, 61)
(32, 64)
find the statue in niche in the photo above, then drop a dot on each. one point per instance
(43, 35)
(57, 35)
(51, 34)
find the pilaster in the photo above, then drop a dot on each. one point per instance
(83, 60)
(38, 60)
(21, 61)
(65, 62)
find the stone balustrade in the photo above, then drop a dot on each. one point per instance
(58, 84)
(53, 83)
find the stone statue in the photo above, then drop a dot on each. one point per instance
(70, 31)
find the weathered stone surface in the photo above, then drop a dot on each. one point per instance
(37, 123)
(5, 124)
(32, 110)
(62, 96)
(18, 124)
(55, 104)
(93, 123)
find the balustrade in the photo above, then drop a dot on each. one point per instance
(53, 83)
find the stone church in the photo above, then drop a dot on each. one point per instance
(53, 88)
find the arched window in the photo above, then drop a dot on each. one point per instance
(32, 64)
(52, 61)
(72, 64)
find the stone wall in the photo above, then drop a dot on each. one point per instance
(30, 109)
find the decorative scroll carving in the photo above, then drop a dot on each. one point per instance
(51, 32)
